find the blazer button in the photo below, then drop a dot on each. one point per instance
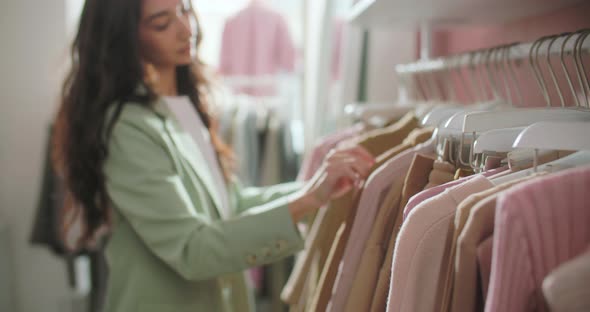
(281, 245)
(266, 252)
(251, 259)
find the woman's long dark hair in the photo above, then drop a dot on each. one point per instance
(105, 71)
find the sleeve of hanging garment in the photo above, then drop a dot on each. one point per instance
(286, 51)
(146, 189)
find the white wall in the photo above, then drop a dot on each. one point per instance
(388, 48)
(32, 45)
(317, 66)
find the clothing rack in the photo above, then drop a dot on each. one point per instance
(251, 81)
(515, 52)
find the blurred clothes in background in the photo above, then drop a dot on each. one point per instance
(256, 42)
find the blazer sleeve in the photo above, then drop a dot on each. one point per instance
(147, 191)
(250, 197)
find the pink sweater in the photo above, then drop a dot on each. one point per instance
(256, 42)
(539, 225)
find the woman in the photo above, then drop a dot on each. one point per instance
(129, 165)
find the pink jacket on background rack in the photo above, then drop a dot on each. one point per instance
(256, 42)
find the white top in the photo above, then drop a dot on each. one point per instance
(191, 122)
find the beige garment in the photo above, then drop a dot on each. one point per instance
(325, 285)
(484, 263)
(327, 221)
(321, 296)
(443, 166)
(418, 176)
(567, 288)
(322, 293)
(442, 172)
(463, 172)
(324, 233)
(474, 222)
(372, 259)
(461, 216)
(415, 181)
(380, 140)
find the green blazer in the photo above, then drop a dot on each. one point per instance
(171, 249)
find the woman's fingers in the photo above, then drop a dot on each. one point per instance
(363, 154)
(360, 167)
(341, 188)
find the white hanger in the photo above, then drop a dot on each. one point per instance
(574, 160)
(500, 140)
(566, 136)
(485, 121)
(439, 115)
(366, 111)
(558, 135)
(478, 122)
(555, 134)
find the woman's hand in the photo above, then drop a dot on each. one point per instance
(342, 170)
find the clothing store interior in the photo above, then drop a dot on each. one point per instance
(477, 113)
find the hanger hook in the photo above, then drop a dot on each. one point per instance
(440, 85)
(582, 74)
(461, 146)
(429, 77)
(564, 67)
(421, 90)
(471, 71)
(578, 70)
(451, 87)
(512, 73)
(551, 71)
(487, 67)
(533, 54)
(460, 74)
(541, 75)
(500, 72)
(481, 75)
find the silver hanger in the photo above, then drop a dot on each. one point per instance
(580, 68)
(449, 85)
(421, 91)
(494, 86)
(501, 73)
(533, 56)
(477, 91)
(482, 73)
(459, 70)
(512, 73)
(551, 71)
(564, 67)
